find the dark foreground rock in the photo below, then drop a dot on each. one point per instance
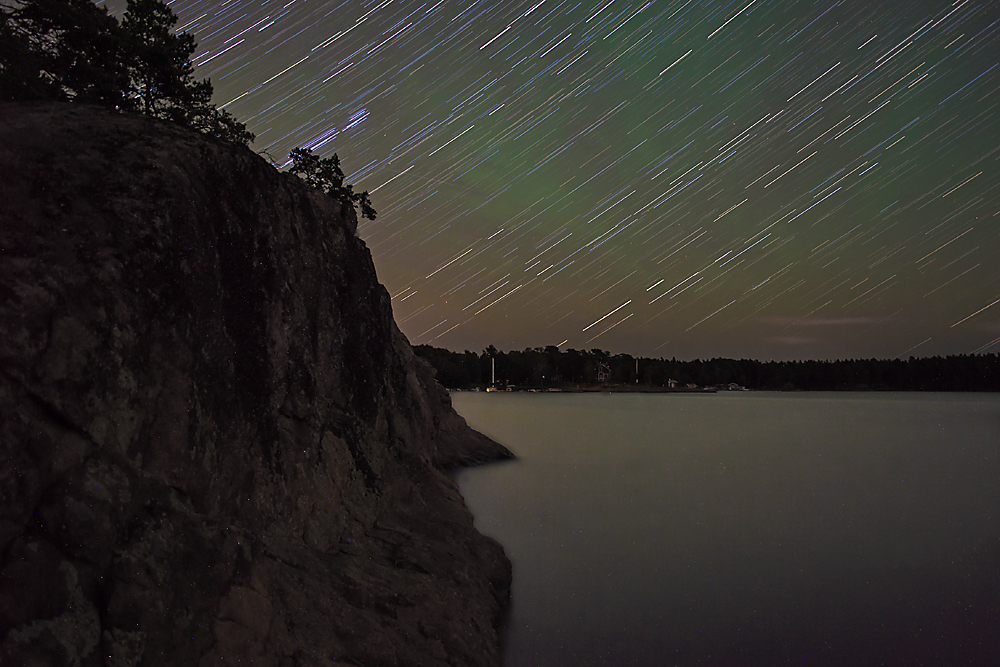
(216, 447)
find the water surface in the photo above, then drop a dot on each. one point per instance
(744, 528)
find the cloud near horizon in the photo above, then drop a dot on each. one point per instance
(791, 320)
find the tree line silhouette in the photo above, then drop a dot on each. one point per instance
(550, 367)
(75, 51)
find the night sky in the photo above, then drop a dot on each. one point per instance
(686, 178)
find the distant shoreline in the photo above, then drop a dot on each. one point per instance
(602, 389)
(645, 389)
(600, 371)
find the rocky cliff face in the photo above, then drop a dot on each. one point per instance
(215, 445)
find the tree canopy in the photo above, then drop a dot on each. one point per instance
(326, 176)
(73, 50)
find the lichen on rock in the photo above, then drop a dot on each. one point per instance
(215, 444)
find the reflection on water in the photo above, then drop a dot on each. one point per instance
(745, 529)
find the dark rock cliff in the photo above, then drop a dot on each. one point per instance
(216, 447)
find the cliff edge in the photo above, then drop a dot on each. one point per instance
(216, 447)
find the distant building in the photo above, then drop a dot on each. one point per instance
(603, 372)
(672, 383)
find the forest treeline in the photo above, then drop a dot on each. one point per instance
(550, 367)
(75, 51)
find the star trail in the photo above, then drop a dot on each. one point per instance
(689, 178)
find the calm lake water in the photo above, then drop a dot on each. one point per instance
(744, 528)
